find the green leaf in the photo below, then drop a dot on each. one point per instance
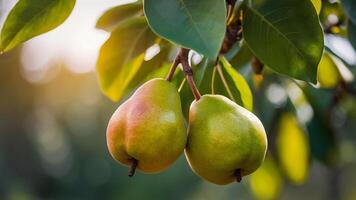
(199, 25)
(322, 135)
(161, 72)
(116, 15)
(328, 73)
(350, 8)
(352, 33)
(32, 18)
(266, 183)
(322, 141)
(332, 71)
(235, 84)
(279, 36)
(243, 57)
(122, 56)
(203, 74)
(147, 67)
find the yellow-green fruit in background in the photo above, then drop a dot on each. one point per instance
(225, 141)
(148, 129)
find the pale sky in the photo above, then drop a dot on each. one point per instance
(76, 42)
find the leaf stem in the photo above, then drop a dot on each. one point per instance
(213, 81)
(182, 85)
(218, 67)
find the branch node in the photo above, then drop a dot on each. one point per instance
(188, 72)
(233, 34)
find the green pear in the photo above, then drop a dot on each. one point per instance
(148, 130)
(225, 141)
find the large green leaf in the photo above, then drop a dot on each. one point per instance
(286, 36)
(122, 56)
(116, 15)
(234, 83)
(242, 57)
(199, 25)
(352, 33)
(350, 8)
(32, 18)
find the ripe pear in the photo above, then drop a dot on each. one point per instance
(225, 141)
(148, 130)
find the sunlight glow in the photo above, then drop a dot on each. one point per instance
(152, 52)
(74, 44)
(276, 94)
(304, 110)
(342, 47)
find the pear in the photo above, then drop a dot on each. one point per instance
(148, 130)
(225, 141)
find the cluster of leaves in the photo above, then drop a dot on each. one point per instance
(282, 45)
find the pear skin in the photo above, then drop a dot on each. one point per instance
(148, 130)
(225, 141)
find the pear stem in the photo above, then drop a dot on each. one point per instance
(238, 175)
(133, 168)
(173, 69)
(183, 57)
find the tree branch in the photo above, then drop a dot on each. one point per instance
(233, 34)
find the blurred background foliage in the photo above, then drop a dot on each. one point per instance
(53, 119)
